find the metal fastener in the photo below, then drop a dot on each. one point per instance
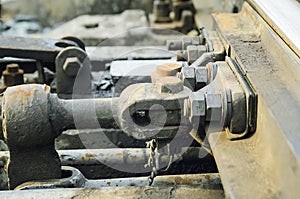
(188, 77)
(169, 84)
(201, 74)
(213, 107)
(72, 66)
(13, 75)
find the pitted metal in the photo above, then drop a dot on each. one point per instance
(32, 153)
(158, 110)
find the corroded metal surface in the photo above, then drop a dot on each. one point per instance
(268, 162)
(32, 153)
(32, 48)
(120, 193)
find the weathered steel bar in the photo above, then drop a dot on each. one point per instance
(83, 113)
(44, 50)
(177, 186)
(111, 156)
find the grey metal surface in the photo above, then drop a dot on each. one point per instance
(283, 17)
(266, 165)
(41, 49)
(137, 67)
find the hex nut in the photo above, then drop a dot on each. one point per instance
(197, 110)
(192, 53)
(169, 84)
(195, 40)
(201, 50)
(213, 107)
(72, 66)
(13, 75)
(201, 77)
(186, 41)
(188, 77)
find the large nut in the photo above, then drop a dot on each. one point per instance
(194, 108)
(169, 84)
(194, 52)
(188, 77)
(72, 66)
(201, 50)
(213, 107)
(201, 77)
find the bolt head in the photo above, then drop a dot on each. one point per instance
(192, 52)
(72, 66)
(13, 75)
(194, 108)
(213, 107)
(201, 74)
(12, 68)
(188, 77)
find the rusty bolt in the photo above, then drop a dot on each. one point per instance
(194, 108)
(213, 107)
(72, 66)
(201, 77)
(169, 84)
(201, 50)
(188, 77)
(13, 75)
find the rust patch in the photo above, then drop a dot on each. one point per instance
(180, 180)
(118, 155)
(22, 92)
(108, 183)
(134, 157)
(207, 177)
(90, 155)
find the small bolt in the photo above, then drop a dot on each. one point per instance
(13, 75)
(12, 68)
(72, 66)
